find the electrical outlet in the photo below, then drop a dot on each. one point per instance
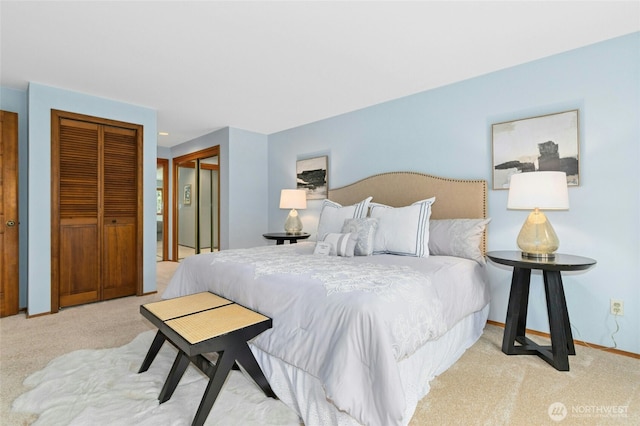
(617, 307)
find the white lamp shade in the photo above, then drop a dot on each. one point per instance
(541, 190)
(293, 199)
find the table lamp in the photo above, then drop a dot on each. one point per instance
(538, 191)
(293, 199)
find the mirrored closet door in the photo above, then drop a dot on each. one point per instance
(197, 203)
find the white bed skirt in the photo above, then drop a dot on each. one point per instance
(304, 394)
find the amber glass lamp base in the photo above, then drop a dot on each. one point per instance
(537, 239)
(293, 225)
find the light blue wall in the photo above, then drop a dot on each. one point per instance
(447, 132)
(41, 100)
(243, 185)
(16, 101)
(164, 152)
(247, 164)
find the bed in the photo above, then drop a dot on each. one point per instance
(358, 334)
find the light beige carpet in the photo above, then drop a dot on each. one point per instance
(487, 387)
(27, 345)
(484, 387)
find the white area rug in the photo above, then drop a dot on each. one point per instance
(102, 387)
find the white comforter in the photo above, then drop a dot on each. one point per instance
(347, 321)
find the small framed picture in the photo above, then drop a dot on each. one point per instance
(159, 202)
(186, 196)
(545, 143)
(311, 175)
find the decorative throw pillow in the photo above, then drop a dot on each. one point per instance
(322, 248)
(457, 237)
(333, 215)
(403, 230)
(341, 244)
(365, 229)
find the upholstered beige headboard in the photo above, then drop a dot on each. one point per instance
(455, 198)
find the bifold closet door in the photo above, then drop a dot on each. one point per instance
(119, 249)
(79, 210)
(96, 204)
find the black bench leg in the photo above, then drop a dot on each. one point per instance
(251, 366)
(223, 366)
(177, 370)
(153, 351)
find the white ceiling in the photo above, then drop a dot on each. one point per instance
(269, 66)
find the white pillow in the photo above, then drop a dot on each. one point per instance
(341, 244)
(333, 215)
(365, 228)
(322, 248)
(457, 237)
(403, 230)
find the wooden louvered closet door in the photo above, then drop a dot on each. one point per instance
(96, 205)
(79, 192)
(120, 211)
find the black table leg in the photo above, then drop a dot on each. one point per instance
(516, 322)
(571, 349)
(558, 321)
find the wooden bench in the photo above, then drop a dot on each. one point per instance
(205, 323)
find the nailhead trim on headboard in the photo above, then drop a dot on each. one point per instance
(455, 198)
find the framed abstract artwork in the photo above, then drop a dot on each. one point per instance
(544, 143)
(311, 175)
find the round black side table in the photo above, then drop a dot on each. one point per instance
(281, 237)
(516, 323)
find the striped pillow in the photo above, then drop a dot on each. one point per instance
(403, 230)
(341, 244)
(333, 215)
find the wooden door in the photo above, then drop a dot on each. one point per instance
(9, 235)
(120, 201)
(97, 209)
(77, 196)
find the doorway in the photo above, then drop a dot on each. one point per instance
(197, 203)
